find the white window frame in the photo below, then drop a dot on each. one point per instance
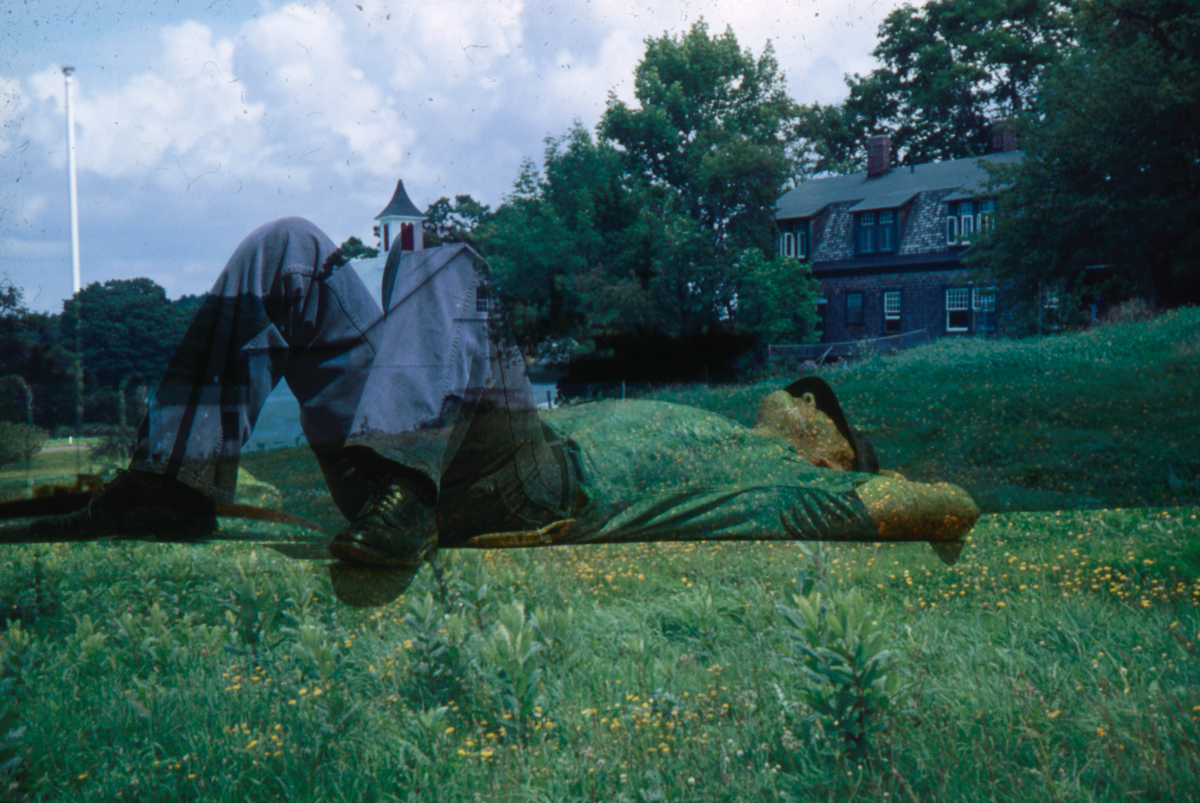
(887, 226)
(482, 299)
(801, 244)
(983, 300)
(788, 244)
(987, 211)
(966, 227)
(866, 233)
(891, 309)
(951, 230)
(958, 299)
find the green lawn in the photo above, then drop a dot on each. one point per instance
(1058, 660)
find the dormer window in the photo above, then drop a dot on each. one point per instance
(964, 218)
(966, 221)
(876, 231)
(866, 232)
(987, 210)
(887, 230)
(795, 243)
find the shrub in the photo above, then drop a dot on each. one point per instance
(850, 678)
(20, 441)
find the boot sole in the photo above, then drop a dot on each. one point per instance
(360, 553)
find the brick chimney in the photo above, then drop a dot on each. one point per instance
(1004, 136)
(879, 156)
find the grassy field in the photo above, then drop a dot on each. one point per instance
(1058, 660)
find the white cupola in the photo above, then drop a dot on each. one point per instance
(400, 222)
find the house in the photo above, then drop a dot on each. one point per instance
(887, 245)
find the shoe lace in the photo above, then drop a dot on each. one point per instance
(387, 494)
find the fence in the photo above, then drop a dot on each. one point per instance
(790, 357)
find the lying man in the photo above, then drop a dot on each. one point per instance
(425, 427)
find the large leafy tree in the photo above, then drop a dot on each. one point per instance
(1111, 173)
(560, 246)
(948, 70)
(641, 228)
(708, 134)
(129, 329)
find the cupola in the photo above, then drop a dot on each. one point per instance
(400, 222)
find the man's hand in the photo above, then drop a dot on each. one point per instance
(915, 511)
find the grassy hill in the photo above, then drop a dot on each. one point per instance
(1109, 417)
(1058, 660)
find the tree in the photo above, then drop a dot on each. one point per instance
(1111, 169)
(456, 222)
(634, 236)
(354, 248)
(31, 355)
(709, 135)
(20, 442)
(129, 329)
(777, 298)
(562, 247)
(950, 69)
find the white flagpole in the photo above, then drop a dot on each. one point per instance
(69, 76)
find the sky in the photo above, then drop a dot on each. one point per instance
(198, 120)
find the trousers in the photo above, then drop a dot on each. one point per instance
(430, 387)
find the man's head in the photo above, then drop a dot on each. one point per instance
(807, 415)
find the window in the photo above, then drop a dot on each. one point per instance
(891, 311)
(987, 209)
(958, 309)
(788, 244)
(983, 305)
(887, 230)
(1050, 297)
(481, 298)
(966, 220)
(951, 230)
(802, 242)
(866, 232)
(854, 309)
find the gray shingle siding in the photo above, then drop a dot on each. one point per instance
(836, 238)
(926, 229)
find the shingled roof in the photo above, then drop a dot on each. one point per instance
(400, 205)
(891, 190)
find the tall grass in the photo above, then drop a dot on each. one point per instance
(1057, 660)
